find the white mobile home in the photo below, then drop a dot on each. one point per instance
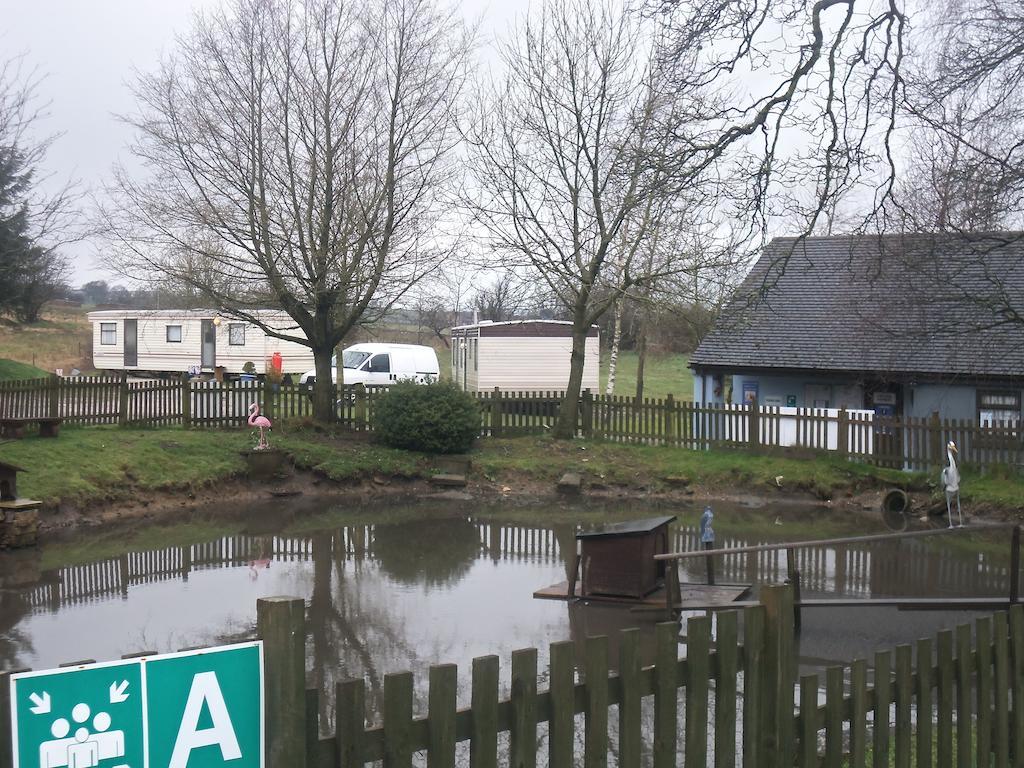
(177, 340)
(520, 356)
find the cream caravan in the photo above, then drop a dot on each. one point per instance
(520, 356)
(182, 341)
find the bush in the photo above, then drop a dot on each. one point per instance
(434, 418)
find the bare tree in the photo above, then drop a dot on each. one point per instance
(506, 297)
(299, 152)
(604, 113)
(37, 216)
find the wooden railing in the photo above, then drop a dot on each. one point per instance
(906, 443)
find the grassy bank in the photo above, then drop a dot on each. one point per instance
(95, 464)
(12, 370)
(61, 339)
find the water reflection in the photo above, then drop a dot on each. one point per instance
(444, 586)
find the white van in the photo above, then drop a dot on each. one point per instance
(372, 363)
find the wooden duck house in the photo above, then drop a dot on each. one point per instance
(619, 559)
(19, 518)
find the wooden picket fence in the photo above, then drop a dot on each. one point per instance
(733, 700)
(907, 442)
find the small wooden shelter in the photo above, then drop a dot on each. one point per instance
(19, 518)
(619, 559)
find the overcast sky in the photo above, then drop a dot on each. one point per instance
(89, 49)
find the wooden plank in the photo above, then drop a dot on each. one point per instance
(441, 716)
(561, 686)
(983, 691)
(666, 685)
(698, 674)
(630, 723)
(858, 713)
(945, 687)
(807, 757)
(726, 654)
(833, 717)
(753, 685)
(523, 731)
(281, 624)
(350, 698)
(596, 695)
(963, 668)
(883, 698)
(483, 745)
(924, 704)
(904, 705)
(397, 716)
(1017, 685)
(1001, 660)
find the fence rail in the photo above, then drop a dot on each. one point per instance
(906, 442)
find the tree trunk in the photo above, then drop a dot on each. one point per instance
(641, 358)
(568, 416)
(323, 388)
(613, 358)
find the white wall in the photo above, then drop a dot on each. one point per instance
(521, 364)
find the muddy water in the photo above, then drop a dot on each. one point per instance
(401, 589)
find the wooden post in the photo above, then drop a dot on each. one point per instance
(6, 737)
(54, 404)
(936, 453)
(496, 414)
(360, 410)
(709, 562)
(122, 399)
(186, 401)
(281, 623)
(843, 433)
(780, 674)
(1015, 565)
(587, 413)
(754, 424)
(793, 578)
(670, 419)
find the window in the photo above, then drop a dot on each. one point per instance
(380, 364)
(476, 350)
(353, 359)
(108, 333)
(236, 334)
(174, 334)
(998, 409)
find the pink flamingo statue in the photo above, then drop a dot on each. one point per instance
(255, 420)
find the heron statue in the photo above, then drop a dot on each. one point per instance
(951, 484)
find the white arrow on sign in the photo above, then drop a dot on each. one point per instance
(117, 692)
(42, 703)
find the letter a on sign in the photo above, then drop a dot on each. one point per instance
(205, 691)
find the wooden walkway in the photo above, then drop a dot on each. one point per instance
(720, 595)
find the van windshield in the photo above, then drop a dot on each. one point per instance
(353, 359)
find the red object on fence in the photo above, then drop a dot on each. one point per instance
(276, 362)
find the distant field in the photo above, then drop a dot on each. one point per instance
(60, 340)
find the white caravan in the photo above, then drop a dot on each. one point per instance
(189, 340)
(383, 364)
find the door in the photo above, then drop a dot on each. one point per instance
(209, 359)
(131, 343)
(378, 369)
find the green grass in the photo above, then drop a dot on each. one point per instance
(89, 464)
(663, 375)
(12, 370)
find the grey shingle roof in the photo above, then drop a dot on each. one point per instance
(937, 304)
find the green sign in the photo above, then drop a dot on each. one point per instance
(195, 709)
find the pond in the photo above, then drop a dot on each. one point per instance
(410, 585)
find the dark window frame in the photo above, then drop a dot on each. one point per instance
(232, 327)
(369, 363)
(103, 331)
(1013, 407)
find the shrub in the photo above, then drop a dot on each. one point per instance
(434, 418)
